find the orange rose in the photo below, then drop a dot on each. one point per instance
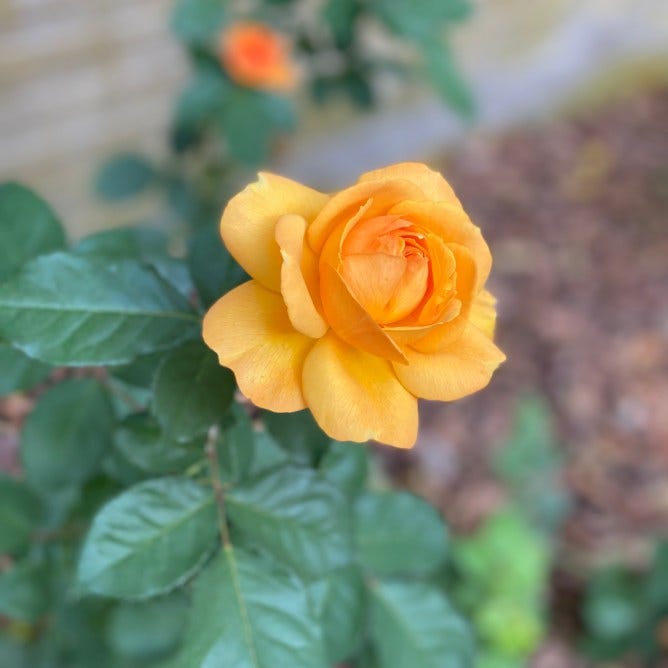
(256, 56)
(359, 302)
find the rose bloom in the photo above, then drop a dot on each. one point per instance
(256, 56)
(360, 302)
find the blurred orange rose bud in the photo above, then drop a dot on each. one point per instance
(256, 56)
(360, 302)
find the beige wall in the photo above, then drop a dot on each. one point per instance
(79, 79)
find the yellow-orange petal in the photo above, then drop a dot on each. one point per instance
(378, 197)
(249, 221)
(251, 333)
(355, 396)
(299, 262)
(432, 184)
(459, 370)
(483, 312)
(453, 225)
(350, 321)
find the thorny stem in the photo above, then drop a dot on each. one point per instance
(218, 491)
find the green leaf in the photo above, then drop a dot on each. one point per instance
(414, 626)
(213, 269)
(236, 445)
(346, 465)
(140, 372)
(197, 22)
(19, 372)
(296, 516)
(191, 391)
(298, 433)
(28, 228)
(145, 445)
(340, 604)
(148, 630)
(71, 310)
(420, 19)
(67, 434)
(123, 177)
(251, 120)
(124, 242)
(247, 614)
(20, 513)
(341, 16)
(203, 99)
(148, 540)
(441, 70)
(23, 592)
(398, 533)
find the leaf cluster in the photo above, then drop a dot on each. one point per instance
(157, 521)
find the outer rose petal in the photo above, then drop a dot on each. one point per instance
(463, 368)
(432, 184)
(355, 396)
(300, 267)
(483, 313)
(250, 331)
(249, 222)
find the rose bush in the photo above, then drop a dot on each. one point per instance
(360, 302)
(256, 56)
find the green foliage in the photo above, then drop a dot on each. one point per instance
(502, 572)
(624, 612)
(123, 177)
(23, 592)
(67, 434)
(530, 463)
(142, 442)
(414, 626)
(20, 513)
(296, 516)
(420, 19)
(71, 310)
(399, 534)
(213, 269)
(441, 71)
(197, 22)
(28, 228)
(299, 433)
(19, 372)
(190, 391)
(148, 540)
(249, 614)
(148, 630)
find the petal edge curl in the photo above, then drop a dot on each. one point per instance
(249, 330)
(248, 223)
(462, 369)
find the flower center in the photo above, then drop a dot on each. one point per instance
(385, 264)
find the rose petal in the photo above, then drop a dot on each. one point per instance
(350, 321)
(250, 331)
(249, 220)
(463, 368)
(453, 225)
(299, 279)
(379, 196)
(432, 184)
(483, 313)
(355, 396)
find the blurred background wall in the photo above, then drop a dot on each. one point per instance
(80, 79)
